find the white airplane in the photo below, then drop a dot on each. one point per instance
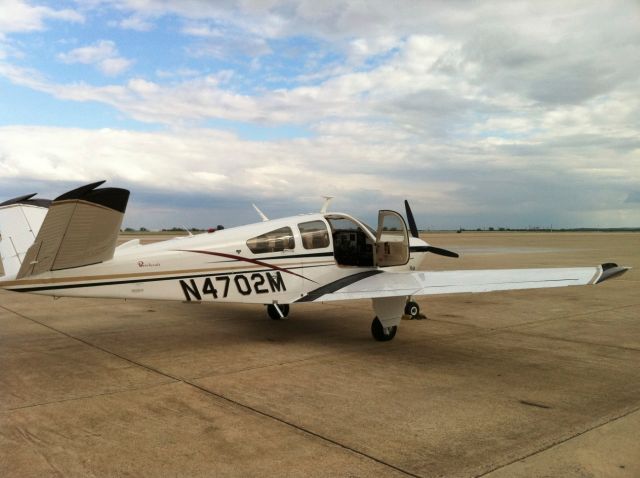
(67, 247)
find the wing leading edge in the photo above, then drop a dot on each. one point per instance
(393, 284)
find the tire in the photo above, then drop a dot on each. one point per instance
(412, 309)
(378, 331)
(273, 313)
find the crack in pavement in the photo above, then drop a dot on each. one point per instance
(221, 397)
(474, 332)
(560, 442)
(82, 397)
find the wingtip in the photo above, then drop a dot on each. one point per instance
(113, 198)
(27, 199)
(80, 192)
(19, 199)
(611, 270)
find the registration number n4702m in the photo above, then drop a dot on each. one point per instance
(220, 286)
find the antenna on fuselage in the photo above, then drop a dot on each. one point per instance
(262, 216)
(327, 200)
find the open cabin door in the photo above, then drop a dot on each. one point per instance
(392, 240)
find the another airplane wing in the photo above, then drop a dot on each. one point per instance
(378, 283)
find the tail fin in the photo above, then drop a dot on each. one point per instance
(81, 228)
(20, 221)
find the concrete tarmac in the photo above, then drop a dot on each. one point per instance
(518, 383)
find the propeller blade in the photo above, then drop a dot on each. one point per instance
(442, 252)
(435, 250)
(414, 232)
(412, 222)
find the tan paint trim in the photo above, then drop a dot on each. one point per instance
(87, 203)
(141, 275)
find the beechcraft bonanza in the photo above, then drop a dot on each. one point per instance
(67, 247)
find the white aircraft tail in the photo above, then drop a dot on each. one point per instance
(20, 221)
(81, 228)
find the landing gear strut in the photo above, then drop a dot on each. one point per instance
(273, 312)
(382, 333)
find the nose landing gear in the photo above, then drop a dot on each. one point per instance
(412, 310)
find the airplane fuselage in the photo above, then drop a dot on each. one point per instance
(276, 261)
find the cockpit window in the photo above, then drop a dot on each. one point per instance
(273, 241)
(314, 234)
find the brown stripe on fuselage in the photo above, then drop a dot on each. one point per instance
(248, 260)
(141, 275)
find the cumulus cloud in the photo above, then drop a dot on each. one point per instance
(527, 70)
(205, 160)
(137, 23)
(223, 42)
(468, 107)
(210, 165)
(21, 16)
(103, 54)
(415, 90)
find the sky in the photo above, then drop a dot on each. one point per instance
(482, 114)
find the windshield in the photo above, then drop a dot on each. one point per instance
(342, 223)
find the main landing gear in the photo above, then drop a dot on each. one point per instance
(382, 333)
(273, 311)
(390, 309)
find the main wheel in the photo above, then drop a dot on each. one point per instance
(412, 309)
(382, 333)
(273, 312)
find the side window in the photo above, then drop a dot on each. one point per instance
(272, 241)
(314, 234)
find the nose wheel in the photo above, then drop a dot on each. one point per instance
(382, 333)
(412, 309)
(273, 312)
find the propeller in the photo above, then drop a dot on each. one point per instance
(435, 250)
(414, 232)
(412, 222)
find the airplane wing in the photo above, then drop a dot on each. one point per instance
(378, 283)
